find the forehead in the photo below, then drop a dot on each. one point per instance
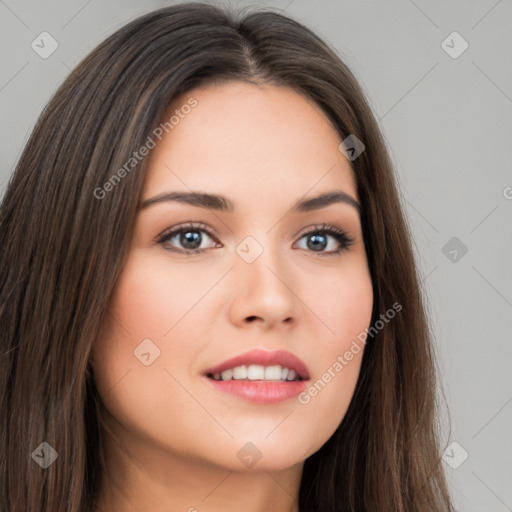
(251, 140)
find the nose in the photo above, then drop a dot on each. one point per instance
(264, 292)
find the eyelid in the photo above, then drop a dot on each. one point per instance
(342, 237)
(192, 226)
(344, 240)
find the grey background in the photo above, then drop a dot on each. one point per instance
(448, 123)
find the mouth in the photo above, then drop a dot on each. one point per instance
(252, 372)
(257, 364)
(260, 376)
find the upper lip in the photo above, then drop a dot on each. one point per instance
(264, 358)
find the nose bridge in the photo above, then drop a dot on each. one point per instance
(260, 253)
(264, 278)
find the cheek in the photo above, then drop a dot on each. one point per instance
(146, 305)
(152, 296)
(329, 393)
(344, 303)
(345, 306)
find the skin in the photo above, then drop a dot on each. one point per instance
(264, 148)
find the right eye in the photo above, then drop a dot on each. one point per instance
(189, 237)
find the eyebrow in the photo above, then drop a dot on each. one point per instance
(223, 204)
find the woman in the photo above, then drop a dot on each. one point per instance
(209, 296)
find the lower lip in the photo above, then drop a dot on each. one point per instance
(261, 391)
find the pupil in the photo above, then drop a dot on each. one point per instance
(318, 241)
(191, 239)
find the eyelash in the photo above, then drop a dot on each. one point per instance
(339, 235)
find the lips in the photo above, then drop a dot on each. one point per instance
(260, 357)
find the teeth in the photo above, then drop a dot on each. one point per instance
(273, 373)
(291, 375)
(257, 372)
(226, 374)
(240, 372)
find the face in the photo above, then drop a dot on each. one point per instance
(205, 282)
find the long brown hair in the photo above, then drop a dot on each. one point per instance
(62, 249)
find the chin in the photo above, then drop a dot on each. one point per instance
(256, 454)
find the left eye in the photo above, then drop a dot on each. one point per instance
(318, 236)
(317, 240)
